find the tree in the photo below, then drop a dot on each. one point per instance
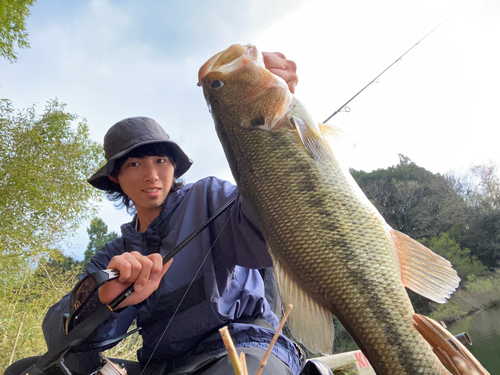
(98, 235)
(480, 186)
(45, 161)
(13, 14)
(480, 229)
(482, 235)
(411, 199)
(489, 184)
(423, 204)
(463, 262)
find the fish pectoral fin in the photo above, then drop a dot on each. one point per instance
(450, 351)
(309, 323)
(311, 138)
(424, 271)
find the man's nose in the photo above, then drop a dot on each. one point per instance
(151, 172)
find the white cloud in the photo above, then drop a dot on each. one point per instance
(113, 59)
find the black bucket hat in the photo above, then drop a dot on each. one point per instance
(128, 134)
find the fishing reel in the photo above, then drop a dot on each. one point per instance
(108, 367)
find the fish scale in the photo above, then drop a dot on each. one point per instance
(340, 275)
(323, 235)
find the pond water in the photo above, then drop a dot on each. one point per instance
(484, 330)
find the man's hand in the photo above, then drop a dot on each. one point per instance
(145, 271)
(277, 64)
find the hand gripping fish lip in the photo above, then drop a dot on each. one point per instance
(222, 67)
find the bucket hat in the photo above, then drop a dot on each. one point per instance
(128, 134)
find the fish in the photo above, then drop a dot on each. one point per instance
(333, 252)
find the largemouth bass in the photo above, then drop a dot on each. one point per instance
(333, 252)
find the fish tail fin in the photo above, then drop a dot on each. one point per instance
(424, 271)
(450, 351)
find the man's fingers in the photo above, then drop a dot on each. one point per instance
(157, 261)
(277, 63)
(146, 265)
(144, 271)
(274, 60)
(128, 266)
(290, 78)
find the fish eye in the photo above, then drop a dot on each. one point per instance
(216, 84)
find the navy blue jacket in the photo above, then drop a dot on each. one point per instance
(219, 266)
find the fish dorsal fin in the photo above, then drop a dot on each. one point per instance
(338, 139)
(423, 271)
(309, 323)
(311, 138)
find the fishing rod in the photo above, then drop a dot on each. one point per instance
(386, 69)
(53, 360)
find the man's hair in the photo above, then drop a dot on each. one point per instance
(116, 194)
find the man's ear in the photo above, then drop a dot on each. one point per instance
(114, 179)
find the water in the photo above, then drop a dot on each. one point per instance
(484, 330)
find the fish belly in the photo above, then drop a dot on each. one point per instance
(334, 245)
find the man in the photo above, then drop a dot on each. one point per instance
(212, 282)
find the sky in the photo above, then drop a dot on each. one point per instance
(112, 59)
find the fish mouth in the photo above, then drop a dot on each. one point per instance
(231, 60)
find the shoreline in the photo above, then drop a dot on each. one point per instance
(478, 294)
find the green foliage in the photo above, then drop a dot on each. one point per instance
(480, 285)
(25, 303)
(466, 265)
(127, 348)
(482, 235)
(421, 305)
(345, 370)
(447, 312)
(422, 204)
(98, 236)
(463, 262)
(13, 14)
(44, 164)
(477, 293)
(343, 341)
(480, 229)
(411, 199)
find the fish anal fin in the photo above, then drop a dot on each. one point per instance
(311, 138)
(309, 323)
(424, 271)
(450, 351)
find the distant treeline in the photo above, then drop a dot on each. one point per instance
(457, 216)
(424, 205)
(45, 161)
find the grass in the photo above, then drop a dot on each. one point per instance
(25, 304)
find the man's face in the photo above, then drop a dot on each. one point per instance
(147, 182)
